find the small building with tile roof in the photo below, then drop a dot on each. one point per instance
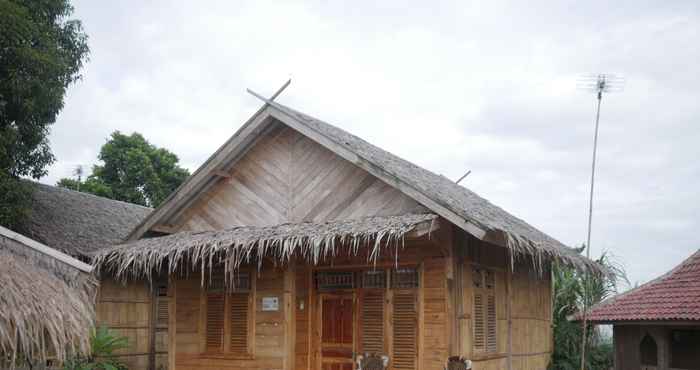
(657, 325)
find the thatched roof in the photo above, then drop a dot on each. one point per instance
(520, 237)
(79, 223)
(46, 303)
(311, 241)
(439, 194)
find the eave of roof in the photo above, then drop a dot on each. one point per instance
(45, 250)
(674, 296)
(311, 241)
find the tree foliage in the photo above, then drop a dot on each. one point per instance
(571, 290)
(134, 171)
(41, 53)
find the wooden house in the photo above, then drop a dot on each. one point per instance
(46, 303)
(297, 245)
(78, 224)
(656, 326)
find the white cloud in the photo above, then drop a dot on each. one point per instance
(487, 86)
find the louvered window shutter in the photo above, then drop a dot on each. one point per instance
(405, 323)
(491, 344)
(239, 323)
(162, 307)
(479, 330)
(215, 321)
(484, 313)
(372, 310)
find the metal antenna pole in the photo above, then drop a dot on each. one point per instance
(588, 238)
(600, 83)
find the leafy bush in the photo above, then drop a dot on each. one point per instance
(571, 290)
(104, 343)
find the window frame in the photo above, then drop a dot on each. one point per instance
(487, 288)
(226, 351)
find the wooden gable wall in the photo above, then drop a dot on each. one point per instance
(287, 177)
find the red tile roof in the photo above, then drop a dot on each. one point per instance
(673, 296)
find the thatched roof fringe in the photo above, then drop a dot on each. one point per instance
(244, 245)
(313, 242)
(40, 312)
(539, 255)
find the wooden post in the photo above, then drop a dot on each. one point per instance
(509, 306)
(172, 322)
(289, 316)
(152, 318)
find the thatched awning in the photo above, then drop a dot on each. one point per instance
(41, 313)
(232, 247)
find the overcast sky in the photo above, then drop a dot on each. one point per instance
(483, 86)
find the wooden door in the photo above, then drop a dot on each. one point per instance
(337, 331)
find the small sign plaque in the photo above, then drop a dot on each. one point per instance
(270, 304)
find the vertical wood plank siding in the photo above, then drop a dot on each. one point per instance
(287, 177)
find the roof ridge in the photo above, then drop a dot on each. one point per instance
(80, 193)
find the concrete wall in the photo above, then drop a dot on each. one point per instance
(628, 339)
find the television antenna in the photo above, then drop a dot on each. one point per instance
(600, 83)
(78, 171)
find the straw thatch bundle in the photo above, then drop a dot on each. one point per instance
(78, 223)
(42, 314)
(201, 250)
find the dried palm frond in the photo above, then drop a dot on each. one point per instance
(42, 314)
(201, 250)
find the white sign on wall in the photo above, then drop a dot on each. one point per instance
(270, 304)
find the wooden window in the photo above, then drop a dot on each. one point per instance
(374, 279)
(162, 306)
(484, 313)
(239, 303)
(334, 280)
(372, 319)
(233, 307)
(216, 302)
(405, 324)
(402, 278)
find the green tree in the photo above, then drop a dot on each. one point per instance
(41, 53)
(134, 171)
(571, 289)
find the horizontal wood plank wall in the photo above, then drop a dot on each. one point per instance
(287, 177)
(126, 309)
(269, 327)
(530, 301)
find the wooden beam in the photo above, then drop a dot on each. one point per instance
(41, 248)
(423, 229)
(222, 174)
(289, 315)
(200, 178)
(165, 229)
(202, 175)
